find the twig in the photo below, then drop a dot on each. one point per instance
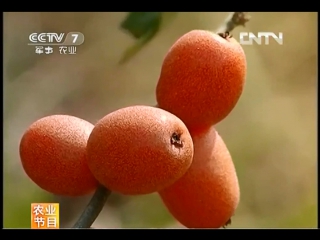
(94, 208)
(233, 20)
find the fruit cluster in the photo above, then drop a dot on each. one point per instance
(172, 149)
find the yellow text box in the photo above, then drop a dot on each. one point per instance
(45, 215)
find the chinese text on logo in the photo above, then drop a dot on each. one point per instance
(45, 215)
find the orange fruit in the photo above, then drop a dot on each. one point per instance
(202, 78)
(53, 155)
(139, 150)
(208, 194)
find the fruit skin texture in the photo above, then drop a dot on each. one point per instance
(53, 154)
(131, 150)
(202, 78)
(208, 194)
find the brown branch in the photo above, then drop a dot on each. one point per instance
(93, 209)
(234, 20)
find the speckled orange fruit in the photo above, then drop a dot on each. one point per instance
(139, 150)
(53, 154)
(208, 194)
(202, 78)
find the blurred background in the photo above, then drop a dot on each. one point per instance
(271, 133)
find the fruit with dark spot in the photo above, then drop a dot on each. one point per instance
(53, 154)
(202, 78)
(139, 150)
(208, 194)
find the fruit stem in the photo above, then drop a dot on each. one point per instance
(94, 207)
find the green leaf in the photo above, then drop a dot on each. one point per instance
(131, 51)
(140, 23)
(143, 26)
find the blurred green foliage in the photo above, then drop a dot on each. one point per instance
(143, 26)
(17, 214)
(140, 23)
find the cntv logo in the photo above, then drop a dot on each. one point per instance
(247, 38)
